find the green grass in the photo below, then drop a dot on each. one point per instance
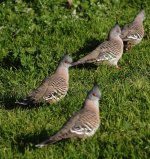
(33, 37)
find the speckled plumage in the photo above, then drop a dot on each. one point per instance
(133, 33)
(110, 51)
(54, 87)
(83, 123)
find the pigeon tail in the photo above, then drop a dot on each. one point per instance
(87, 59)
(78, 63)
(26, 101)
(44, 143)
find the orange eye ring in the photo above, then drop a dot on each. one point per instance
(67, 62)
(94, 94)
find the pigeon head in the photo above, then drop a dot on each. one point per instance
(66, 61)
(115, 31)
(94, 93)
(141, 16)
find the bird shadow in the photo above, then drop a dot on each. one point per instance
(88, 66)
(90, 45)
(2, 1)
(24, 141)
(8, 62)
(29, 1)
(9, 103)
(28, 141)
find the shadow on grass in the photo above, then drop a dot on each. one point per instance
(8, 103)
(88, 66)
(29, 1)
(89, 46)
(8, 62)
(2, 1)
(29, 140)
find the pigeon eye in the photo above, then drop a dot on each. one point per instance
(94, 94)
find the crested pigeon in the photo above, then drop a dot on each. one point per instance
(109, 51)
(54, 87)
(82, 124)
(133, 32)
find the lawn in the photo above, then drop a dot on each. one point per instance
(34, 35)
